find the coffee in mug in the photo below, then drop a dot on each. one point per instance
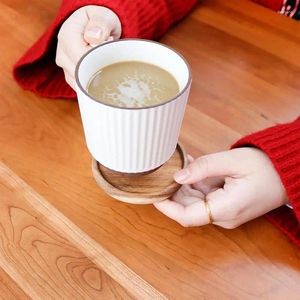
(132, 84)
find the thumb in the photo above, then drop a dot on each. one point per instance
(212, 165)
(96, 32)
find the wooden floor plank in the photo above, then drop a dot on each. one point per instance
(9, 290)
(36, 253)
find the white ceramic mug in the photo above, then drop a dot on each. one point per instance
(132, 140)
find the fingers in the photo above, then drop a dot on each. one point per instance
(192, 215)
(225, 207)
(96, 32)
(187, 190)
(213, 165)
(186, 195)
(103, 25)
(63, 61)
(190, 158)
(73, 46)
(96, 24)
(209, 184)
(186, 200)
(70, 36)
(70, 80)
(249, 189)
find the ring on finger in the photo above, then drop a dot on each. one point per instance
(209, 214)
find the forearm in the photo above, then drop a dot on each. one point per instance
(37, 70)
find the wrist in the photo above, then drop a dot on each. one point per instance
(266, 167)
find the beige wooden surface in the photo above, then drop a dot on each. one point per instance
(246, 65)
(9, 289)
(37, 254)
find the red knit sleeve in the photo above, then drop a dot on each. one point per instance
(273, 4)
(282, 144)
(36, 69)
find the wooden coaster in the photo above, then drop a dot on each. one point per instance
(143, 188)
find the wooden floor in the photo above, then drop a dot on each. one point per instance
(61, 237)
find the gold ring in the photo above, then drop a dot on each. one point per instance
(209, 215)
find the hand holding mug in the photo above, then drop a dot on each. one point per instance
(233, 186)
(88, 26)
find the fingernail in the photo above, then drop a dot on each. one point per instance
(182, 175)
(94, 32)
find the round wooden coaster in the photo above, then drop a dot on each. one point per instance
(143, 188)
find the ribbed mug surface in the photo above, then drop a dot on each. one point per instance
(132, 140)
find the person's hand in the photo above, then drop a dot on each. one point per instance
(88, 26)
(238, 185)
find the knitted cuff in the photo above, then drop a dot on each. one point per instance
(282, 144)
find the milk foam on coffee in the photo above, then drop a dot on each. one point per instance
(132, 84)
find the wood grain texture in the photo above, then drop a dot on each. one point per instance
(9, 290)
(246, 68)
(146, 188)
(35, 251)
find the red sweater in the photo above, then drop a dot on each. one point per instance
(37, 71)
